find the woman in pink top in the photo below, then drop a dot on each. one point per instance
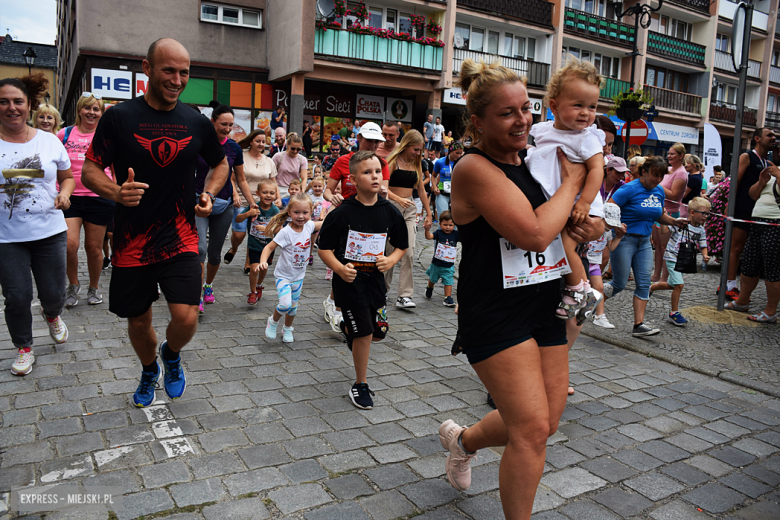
(290, 164)
(86, 207)
(674, 184)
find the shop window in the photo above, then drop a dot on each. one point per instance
(216, 13)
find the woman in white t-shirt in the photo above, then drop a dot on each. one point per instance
(33, 235)
(257, 166)
(87, 209)
(290, 164)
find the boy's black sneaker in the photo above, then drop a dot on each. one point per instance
(360, 395)
(344, 335)
(457, 348)
(643, 330)
(428, 292)
(449, 302)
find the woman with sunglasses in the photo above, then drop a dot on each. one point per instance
(217, 223)
(290, 164)
(87, 208)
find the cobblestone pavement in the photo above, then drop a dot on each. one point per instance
(722, 344)
(265, 429)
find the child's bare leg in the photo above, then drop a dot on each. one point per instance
(660, 286)
(598, 284)
(577, 274)
(360, 349)
(447, 291)
(253, 277)
(260, 277)
(676, 292)
(277, 315)
(288, 320)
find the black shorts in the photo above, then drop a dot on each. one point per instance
(254, 256)
(95, 210)
(366, 321)
(134, 289)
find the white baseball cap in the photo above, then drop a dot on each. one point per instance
(371, 131)
(612, 214)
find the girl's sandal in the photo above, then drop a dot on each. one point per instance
(763, 317)
(732, 306)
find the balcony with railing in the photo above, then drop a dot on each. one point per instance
(675, 48)
(773, 120)
(702, 6)
(334, 44)
(537, 73)
(538, 12)
(598, 28)
(774, 74)
(727, 113)
(673, 100)
(612, 87)
(723, 63)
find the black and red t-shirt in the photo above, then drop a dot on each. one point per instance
(162, 148)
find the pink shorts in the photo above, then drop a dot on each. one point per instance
(594, 270)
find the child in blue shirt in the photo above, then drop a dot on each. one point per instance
(443, 263)
(293, 189)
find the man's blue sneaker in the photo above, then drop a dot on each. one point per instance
(174, 382)
(144, 394)
(678, 319)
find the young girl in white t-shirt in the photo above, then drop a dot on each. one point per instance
(572, 95)
(295, 242)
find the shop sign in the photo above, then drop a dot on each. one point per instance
(676, 133)
(370, 107)
(338, 104)
(536, 106)
(281, 99)
(112, 84)
(453, 96)
(141, 84)
(311, 103)
(399, 110)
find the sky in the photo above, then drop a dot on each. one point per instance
(36, 24)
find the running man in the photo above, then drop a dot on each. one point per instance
(153, 143)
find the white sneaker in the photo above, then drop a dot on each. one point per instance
(23, 364)
(57, 329)
(405, 303)
(72, 295)
(330, 310)
(287, 336)
(335, 321)
(270, 328)
(603, 322)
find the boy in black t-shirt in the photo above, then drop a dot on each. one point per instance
(352, 243)
(443, 263)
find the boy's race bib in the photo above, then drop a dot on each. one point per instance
(365, 247)
(254, 232)
(445, 253)
(522, 267)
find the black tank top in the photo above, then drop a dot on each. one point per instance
(488, 313)
(402, 179)
(745, 204)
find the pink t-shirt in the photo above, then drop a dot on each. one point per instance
(679, 173)
(77, 147)
(288, 168)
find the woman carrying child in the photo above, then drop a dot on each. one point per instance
(295, 241)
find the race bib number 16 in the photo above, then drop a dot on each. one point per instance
(522, 267)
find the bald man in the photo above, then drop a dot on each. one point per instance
(153, 143)
(280, 141)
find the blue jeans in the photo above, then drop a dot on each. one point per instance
(442, 203)
(21, 261)
(632, 253)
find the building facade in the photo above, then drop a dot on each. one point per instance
(257, 55)
(13, 64)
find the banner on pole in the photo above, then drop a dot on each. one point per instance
(713, 150)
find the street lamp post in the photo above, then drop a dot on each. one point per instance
(29, 58)
(642, 16)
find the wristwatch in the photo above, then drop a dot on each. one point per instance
(211, 196)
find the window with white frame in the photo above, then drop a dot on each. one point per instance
(672, 27)
(724, 93)
(597, 7)
(607, 66)
(218, 13)
(770, 103)
(722, 42)
(496, 42)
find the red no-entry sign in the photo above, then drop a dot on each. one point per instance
(639, 132)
